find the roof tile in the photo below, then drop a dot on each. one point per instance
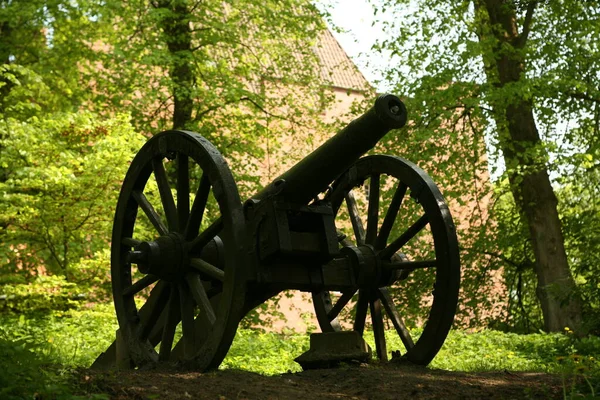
(336, 67)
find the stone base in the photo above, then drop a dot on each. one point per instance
(329, 349)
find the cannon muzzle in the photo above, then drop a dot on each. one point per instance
(311, 176)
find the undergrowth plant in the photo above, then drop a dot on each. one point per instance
(40, 350)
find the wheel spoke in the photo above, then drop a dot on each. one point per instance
(207, 269)
(202, 240)
(183, 190)
(390, 216)
(150, 212)
(373, 210)
(156, 304)
(155, 293)
(410, 233)
(140, 285)
(392, 313)
(361, 311)
(214, 290)
(168, 333)
(130, 242)
(200, 335)
(195, 220)
(378, 330)
(322, 306)
(339, 305)
(165, 193)
(157, 329)
(359, 230)
(409, 265)
(201, 298)
(187, 320)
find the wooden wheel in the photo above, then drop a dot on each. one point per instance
(176, 253)
(418, 262)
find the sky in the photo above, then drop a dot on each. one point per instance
(356, 18)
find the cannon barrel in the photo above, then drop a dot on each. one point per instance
(313, 174)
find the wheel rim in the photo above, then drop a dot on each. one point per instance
(394, 236)
(185, 246)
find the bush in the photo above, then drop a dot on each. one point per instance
(39, 351)
(61, 176)
(266, 353)
(25, 373)
(44, 294)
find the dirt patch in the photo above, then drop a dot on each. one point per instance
(389, 381)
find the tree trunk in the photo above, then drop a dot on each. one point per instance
(178, 37)
(525, 160)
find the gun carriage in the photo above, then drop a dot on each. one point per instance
(203, 259)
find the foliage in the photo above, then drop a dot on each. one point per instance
(43, 294)
(57, 191)
(42, 42)
(62, 177)
(447, 54)
(228, 55)
(522, 310)
(580, 212)
(19, 85)
(39, 350)
(266, 353)
(574, 359)
(55, 342)
(492, 350)
(71, 338)
(25, 373)
(264, 315)
(214, 69)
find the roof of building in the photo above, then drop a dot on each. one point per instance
(336, 67)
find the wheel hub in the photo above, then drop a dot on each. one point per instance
(166, 257)
(365, 263)
(368, 269)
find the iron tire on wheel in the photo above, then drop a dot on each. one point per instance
(204, 298)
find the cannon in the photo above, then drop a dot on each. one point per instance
(189, 259)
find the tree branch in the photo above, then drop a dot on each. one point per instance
(201, 114)
(159, 109)
(522, 39)
(501, 257)
(584, 96)
(194, 30)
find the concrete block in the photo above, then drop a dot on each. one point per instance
(329, 349)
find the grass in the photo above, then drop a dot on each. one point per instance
(56, 343)
(39, 352)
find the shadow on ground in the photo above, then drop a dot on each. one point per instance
(390, 381)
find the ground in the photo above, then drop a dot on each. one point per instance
(389, 381)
